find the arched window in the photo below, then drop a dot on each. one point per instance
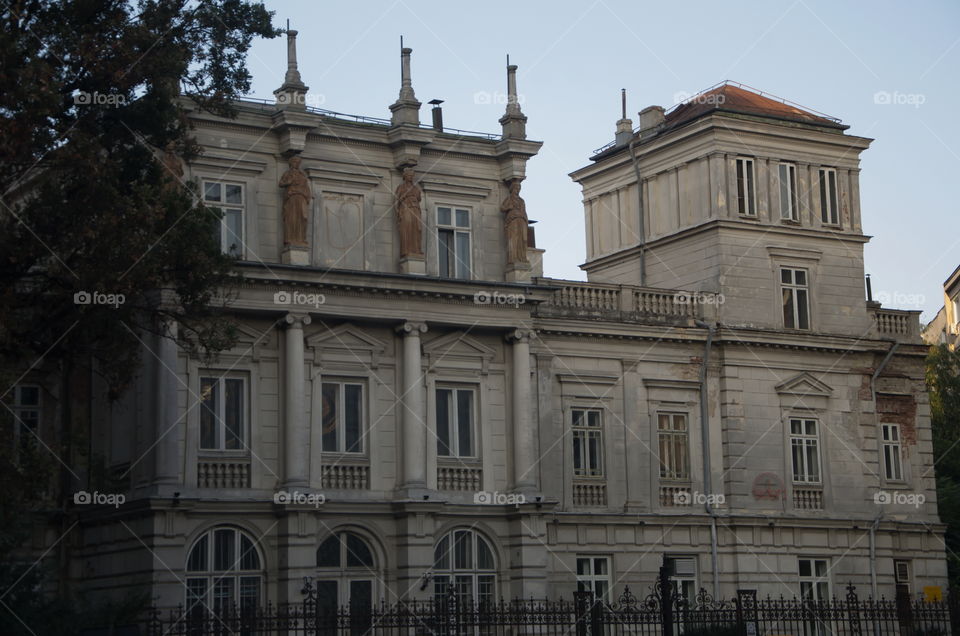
(463, 559)
(224, 570)
(346, 572)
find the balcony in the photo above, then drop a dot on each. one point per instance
(627, 303)
(223, 472)
(897, 324)
(459, 477)
(675, 495)
(807, 498)
(345, 474)
(589, 493)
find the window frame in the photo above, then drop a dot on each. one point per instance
(585, 432)
(806, 440)
(225, 207)
(344, 574)
(474, 574)
(455, 230)
(829, 192)
(220, 422)
(19, 408)
(681, 581)
(453, 433)
(212, 576)
(683, 476)
(814, 580)
(342, 383)
(793, 213)
(891, 447)
(591, 578)
(746, 186)
(905, 578)
(794, 290)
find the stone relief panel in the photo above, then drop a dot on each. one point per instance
(341, 230)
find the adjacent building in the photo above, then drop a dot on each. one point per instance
(945, 326)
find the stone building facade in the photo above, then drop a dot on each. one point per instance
(718, 395)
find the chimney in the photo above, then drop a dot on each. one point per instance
(514, 122)
(651, 118)
(292, 93)
(624, 125)
(437, 113)
(406, 110)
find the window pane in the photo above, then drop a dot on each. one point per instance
(813, 461)
(234, 232)
(805, 569)
(798, 472)
(208, 413)
(444, 248)
(328, 554)
(663, 422)
(463, 218)
(358, 552)
(593, 418)
(233, 193)
(249, 593)
(197, 561)
(824, 206)
(223, 550)
(800, 277)
(803, 316)
(211, 191)
(463, 255)
(233, 414)
(327, 600)
(443, 216)
(249, 559)
(462, 550)
(330, 395)
(441, 555)
(834, 208)
(599, 566)
(465, 423)
(353, 409)
(196, 595)
(821, 568)
(583, 566)
(578, 452)
(28, 396)
(786, 276)
(484, 555)
(789, 320)
(751, 204)
(741, 188)
(578, 417)
(361, 600)
(594, 454)
(785, 212)
(443, 422)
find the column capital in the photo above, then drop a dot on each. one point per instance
(411, 328)
(297, 321)
(520, 335)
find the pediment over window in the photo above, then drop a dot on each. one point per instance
(346, 343)
(252, 341)
(804, 385)
(457, 348)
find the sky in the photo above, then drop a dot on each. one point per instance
(887, 69)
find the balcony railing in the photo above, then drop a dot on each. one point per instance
(589, 493)
(624, 302)
(459, 477)
(347, 475)
(901, 325)
(808, 498)
(674, 495)
(223, 472)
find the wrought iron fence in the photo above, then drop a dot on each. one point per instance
(655, 615)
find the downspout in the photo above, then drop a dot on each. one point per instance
(876, 522)
(642, 224)
(705, 443)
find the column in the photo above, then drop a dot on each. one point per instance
(296, 431)
(166, 468)
(414, 411)
(524, 433)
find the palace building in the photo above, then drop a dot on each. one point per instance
(413, 406)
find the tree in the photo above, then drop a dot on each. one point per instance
(943, 381)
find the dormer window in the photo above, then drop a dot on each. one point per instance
(789, 204)
(453, 242)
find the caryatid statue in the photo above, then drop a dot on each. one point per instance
(172, 166)
(515, 224)
(409, 215)
(296, 204)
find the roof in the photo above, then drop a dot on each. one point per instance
(734, 97)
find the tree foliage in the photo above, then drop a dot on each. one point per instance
(943, 381)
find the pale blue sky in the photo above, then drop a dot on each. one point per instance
(575, 56)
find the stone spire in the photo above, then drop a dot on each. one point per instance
(624, 125)
(292, 93)
(406, 110)
(513, 122)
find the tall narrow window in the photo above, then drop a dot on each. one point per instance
(26, 412)
(593, 575)
(587, 443)
(453, 242)
(789, 204)
(223, 572)
(342, 417)
(463, 560)
(228, 198)
(222, 413)
(683, 575)
(746, 190)
(814, 580)
(829, 212)
(892, 469)
(346, 574)
(455, 422)
(674, 443)
(805, 451)
(795, 289)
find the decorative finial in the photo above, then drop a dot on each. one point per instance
(406, 110)
(624, 126)
(513, 122)
(292, 93)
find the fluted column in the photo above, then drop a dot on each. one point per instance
(414, 410)
(296, 430)
(167, 430)
(524, 433)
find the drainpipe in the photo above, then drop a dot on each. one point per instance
(705, 443)
(876, 414)
(642, 225)
(873, 555)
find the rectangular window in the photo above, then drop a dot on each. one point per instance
(593, 575)
(814, 579)
(890, 444)
(587, 429)
(453, 242)
(228, 199)
(795, 290)
(829, 212)
(805, 451)
(26, 413)
(901, 571)
(789, 204)
(223, 405)
(674, 442)
(683, 575)
(342, 417)
(455, 422)
(746, 190)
